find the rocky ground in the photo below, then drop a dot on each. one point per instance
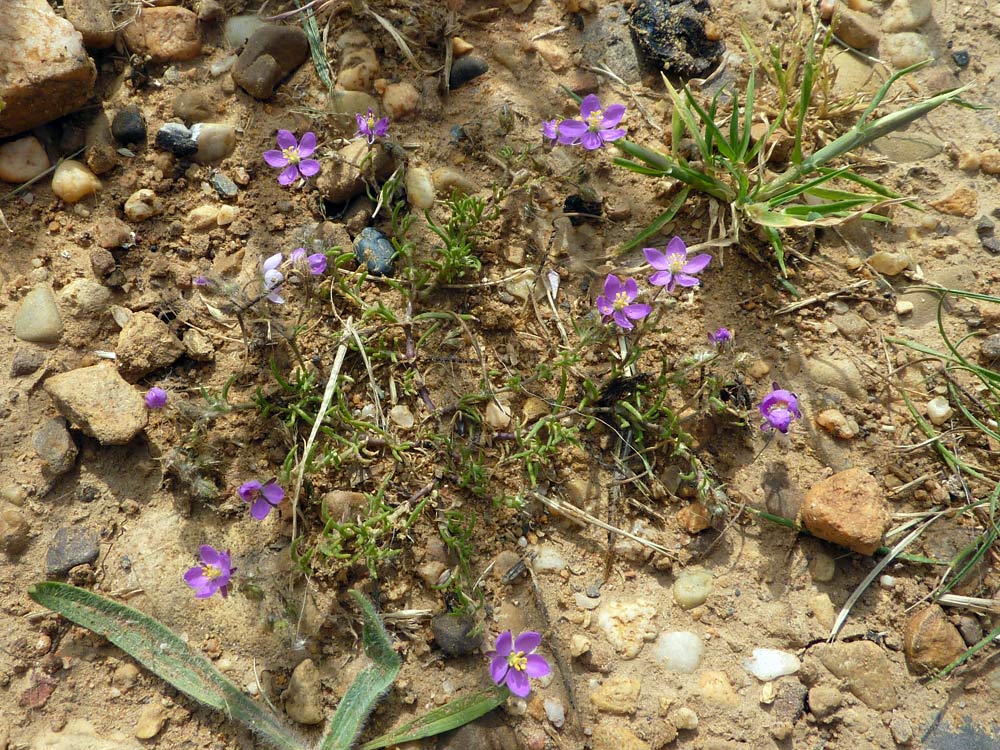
(136, 263)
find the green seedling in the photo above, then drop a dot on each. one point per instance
(168, 656)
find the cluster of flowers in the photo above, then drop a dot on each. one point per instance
(672, 268)
(274, 278)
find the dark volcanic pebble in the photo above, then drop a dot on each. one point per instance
(961, 58)
(453, 634)
(375, 250)
(671, 35)
(72, 546)
(465, 69)
(129, 126)
(581, 210)
(176, 139)
(225, 187)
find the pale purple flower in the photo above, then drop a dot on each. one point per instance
(262, 497)
(156, 398)
(595, 127)
(212, 575)
(317, 263)
(617, 302)
(550, 131)
(273, 278)
(291, 154)
(201, 280)
(722, 337)
(673, 267)
(512, 662)
(297, 254)
(371, 128)
(779, 407)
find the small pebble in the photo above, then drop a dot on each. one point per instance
(37, 319)
(400, 100)
(22, 160)
(769, 664)
(419, 188)
(177, 139)
(215, 141)
(886, 581)
(194, 106)
(151, 721)
(679, 651)
(939, 411)
(464, 69)
(889, 263)
(142, 204)
(692, 588)
(73, 181)
(227, 215)
(401, 416)
(129, 126)
(14, 531)
(904, 307)
(374, 249)
(224, 186)
(961, 58)
(555, 712)
(455, 635)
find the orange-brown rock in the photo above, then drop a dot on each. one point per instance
(848, 509)
(962, 202)
(930, 641)
(165, 34)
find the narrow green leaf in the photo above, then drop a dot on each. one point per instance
(451, 715)
(163, 653)
(747, 117)
(369, 686)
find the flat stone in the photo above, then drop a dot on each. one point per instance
(72, 546)
(79, 734)
(167, 34)
(856, 29)
(271, 54)
(37, 319)
(92, 18)
(22, 160)
(841, 374)
(617, 695)
(961, 202)
(84, 297)
(628, 625)
(151, 721)
(101, 155)
(343, 179)
(146, 344)
(47, 72)
(25, 362)
(930, 642)
(849, 509)
(455, 635)
(303, 701)
(54, 445)
(865, 669)
(98, 401)
(608, 40)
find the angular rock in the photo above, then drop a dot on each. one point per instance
(168, 34)
(84, 297)
(38, 318)
(271, 54)
(930, 641)
(865, 669)
(22, 160)
(343, 179)
(177, 139)
(628, 625)
(146, 344)
(98, 401)
(302, 697)
(608, 40)
(677, 36)
(961, 202)
(129, 126)
(609, 735)
(101, 155)
(112, 233)
(25, 362)
(54, 445)
(856, 29)
(151, 721)
(454, 634)
(92, 18)
(46, 72)
(849, 509)
(72, 546)
(618, 695)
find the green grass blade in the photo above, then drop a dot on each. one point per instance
(744, 141)
(451, 715)
(774, 236)
(316, 48)
(805, 187)
(682, 110)
(163, 653)
(805, 97)
(713, 136)
(659, 221)
(369, 686)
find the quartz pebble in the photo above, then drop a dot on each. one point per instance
(939, 411)
(769, 664)
(679, 651)
(905, 49)
(142, 204)
(22, 160)
(73, 181)
(401, 416)
(419, 188)
(555, 712)
(692, 588)
(627, 625)
(214, 140)
(548, 559)
(889, 263)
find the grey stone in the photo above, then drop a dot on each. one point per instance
(98, 401)
(238, 29)
(177, 139)
(990, 348)
(72, 546)
(224, 186)
(129, 126)
(84, 297)
(607, 40)
(25, 362)
(453, 634)
(194, 106)
(215, 141)
(841, 374)
(38, 318)
(464, 69)
(92, 18)
(374, 249)
(54, 445)
(271, 54)
(485, 733)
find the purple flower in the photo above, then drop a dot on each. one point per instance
(673, 267)
(595, 127)
(616, 302)
(370, 128)
(513, 663)
(201, 280)
(292, 156)
(297, 254)
(722, 338)
(317, 263)
(550, 131)
(273, 278)
(156, 398)
(779, 407)
(212, 575)
(262, 497)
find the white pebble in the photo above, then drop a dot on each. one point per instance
(887, 582)
(548, 559)
(769, 664)
(216, 140)
(939, 411)
(555, 711)
(679, 651)
(401, 416)
(72, 181)
(22, 160)
(419, 188)
(142, 204)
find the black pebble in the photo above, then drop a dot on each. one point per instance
(577, 204)
(373, 249)
(453, 634)
(129, 126)
(961, 58)
(464, 69)
(176, 139)
(671, 35)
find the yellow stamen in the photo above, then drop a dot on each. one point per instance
(292, 154)
(676, 262)
(517, 660)
(595, 119)
(211, 572)
(621, 301)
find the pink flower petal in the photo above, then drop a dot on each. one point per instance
(308, 144)
(611, 135)
(260, 509)
(631, 289)
(275, 159)
(529, 640)
(518, 683)
(273, 493)
(498, 669)
(637, 311)
(589, 105)
(623, 321)
(286, 139)
(697, 264)
(537, 666)
(676, 245)
(662, 278)
(309, 167)
(209, 554)
(683, 279)
(505, 644)
(655, 258)
(613, 114)
(288, 176)
(612, 286)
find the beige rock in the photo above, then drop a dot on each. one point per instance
(343, 179)
(865, 669)
(905, 49)
(889, 263)
(14, 531)
(822, 567)
(498, 415)
(166, 34)
(822, 610)
(837, 424)
(618, 695)
(98, 401)
(534, 409)
(358, 62)
(22, 160)
(961, 202)
(47, 72)
(448, 180)
(344, 505)
(142, 204)
(79, 734)
(613, 736)
(400, 100)
(92, 18)
(714, 686)
(824, 701)
(627, 625)
(73, 181)
(203, 217)
(906, 15)
(151, 721)
(146, 344)
(857, 30)
(460, 47)
(38, 319)
(930, 641)
(849, 509)
(989, 161)
(302, 698)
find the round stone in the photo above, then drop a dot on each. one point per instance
(22, 160)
